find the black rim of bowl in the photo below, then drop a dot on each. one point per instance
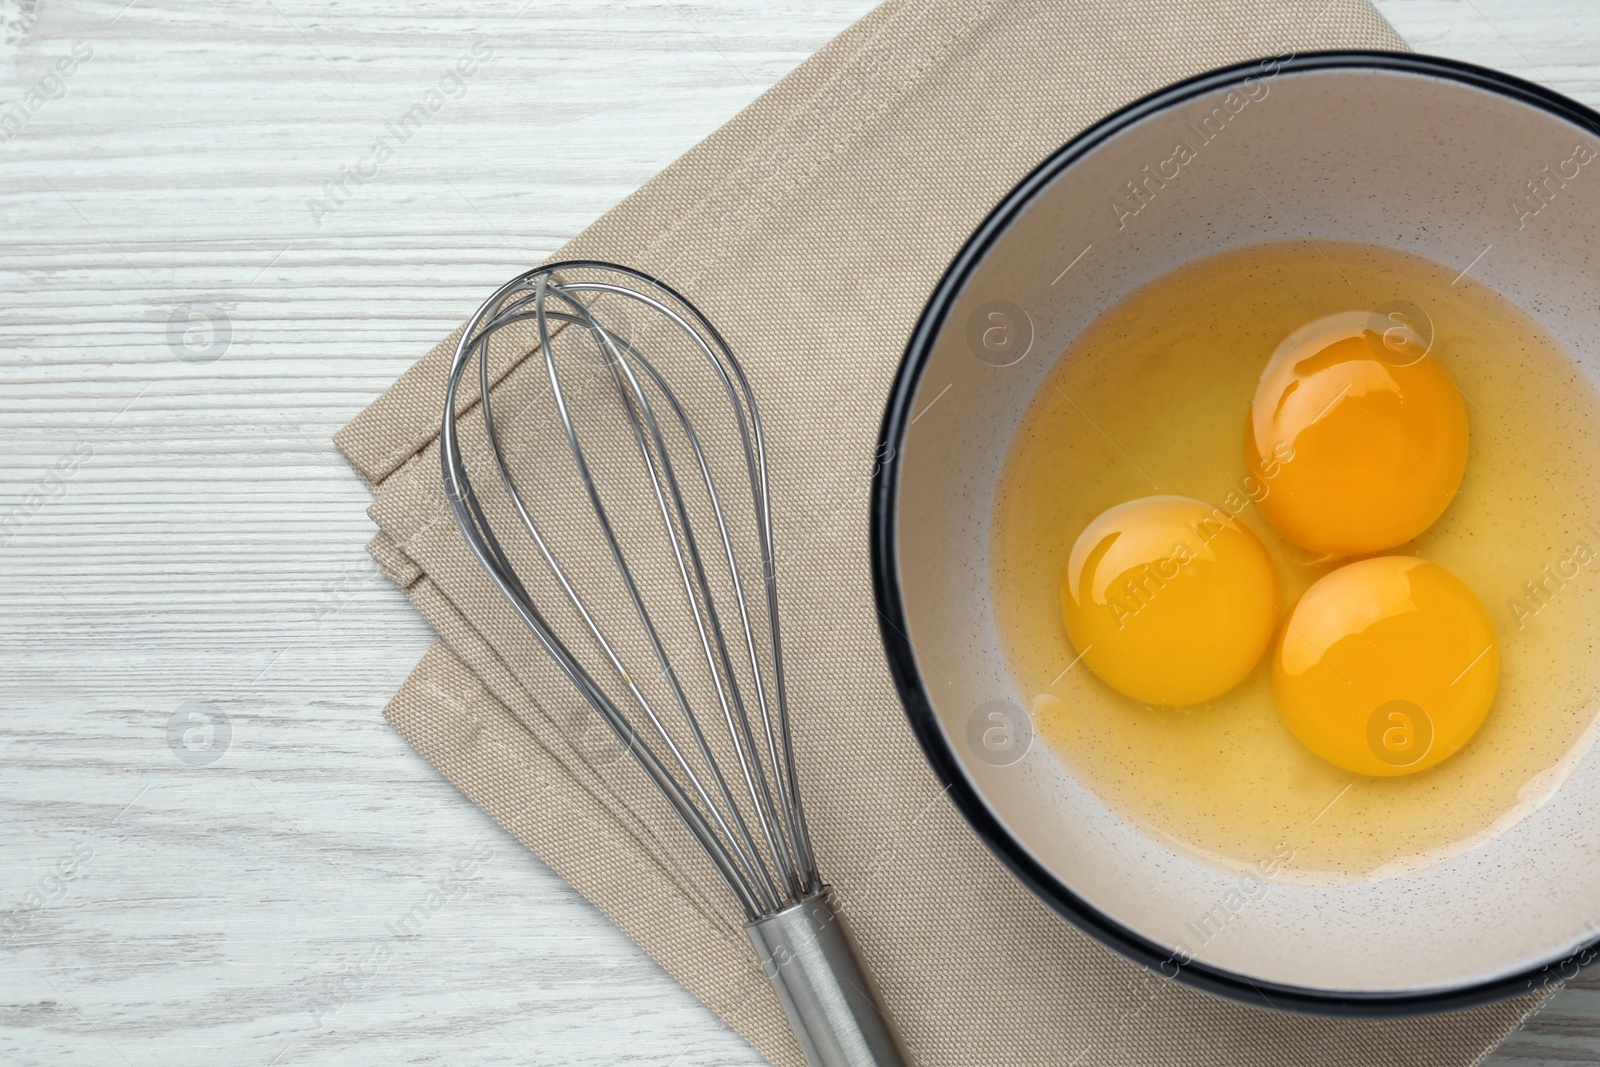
(885, 566)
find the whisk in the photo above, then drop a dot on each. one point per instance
(657, 596)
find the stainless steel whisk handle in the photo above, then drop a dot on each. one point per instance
(811, 961)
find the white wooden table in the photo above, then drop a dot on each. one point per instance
(209, 832)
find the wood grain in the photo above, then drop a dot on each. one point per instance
(192, 306)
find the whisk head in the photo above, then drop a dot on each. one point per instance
(639, 551)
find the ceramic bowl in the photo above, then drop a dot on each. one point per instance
(1421, 154)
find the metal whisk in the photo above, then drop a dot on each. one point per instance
(656, 596)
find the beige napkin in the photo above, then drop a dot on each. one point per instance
(810, 228)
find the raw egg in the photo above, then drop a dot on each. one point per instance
(1357, 435)
(1169, 600)
(1386, 666)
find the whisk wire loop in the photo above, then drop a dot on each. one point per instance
(763, 880)
(641, 418)
(793, 860)
(491, 555)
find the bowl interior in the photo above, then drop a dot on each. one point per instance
(1404, 154)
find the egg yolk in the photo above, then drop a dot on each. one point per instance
(1357, 438)
(1386, 666)
(1169, 600)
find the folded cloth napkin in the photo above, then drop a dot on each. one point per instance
(810, 229)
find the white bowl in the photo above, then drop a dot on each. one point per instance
(1416, 153)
